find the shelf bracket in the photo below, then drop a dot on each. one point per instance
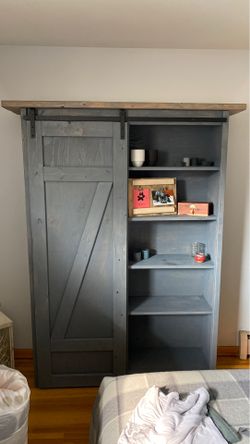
(31, 112)
(123, 119)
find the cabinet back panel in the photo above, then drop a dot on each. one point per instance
(175, 237)
(168, 282)
(168, 331)
(175, 142)
(192, 186)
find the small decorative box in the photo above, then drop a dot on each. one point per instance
(195, 208)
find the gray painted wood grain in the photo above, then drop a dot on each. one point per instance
(75, 362)
(75, 259)
(81, 259)
(92, 316)
(39, 254)
(218, 246)
(168, 305)
(77, 129)
(74, 151)
(168, 331)
(25, 135)
(76, 344)
(159, 261)
(67, 208)
(71, 174)
(146, 277)
(168, 282)
(167, 359)
(76, 250)
(173, 113)
(120, 156)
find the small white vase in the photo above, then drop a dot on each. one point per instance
(137, 157)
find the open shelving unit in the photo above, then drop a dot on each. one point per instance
(95, 313)
(172, 300)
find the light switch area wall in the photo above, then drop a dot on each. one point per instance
(102, 74)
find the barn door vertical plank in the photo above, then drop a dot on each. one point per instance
(120, 168)
(33, 159)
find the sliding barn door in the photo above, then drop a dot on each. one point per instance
(76, 183)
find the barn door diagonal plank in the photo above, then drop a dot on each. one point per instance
(81, 260)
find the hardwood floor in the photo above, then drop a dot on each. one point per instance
(57, 415)
(62, 416)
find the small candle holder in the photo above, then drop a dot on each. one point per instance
(198, 248)
(200, 258)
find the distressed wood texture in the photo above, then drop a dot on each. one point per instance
(33, 164)
(218, 192)
(17, 105)
(81, 260)
(71, 174)
(83, 285)
(120, 153)
(173, 305)
(70, 194)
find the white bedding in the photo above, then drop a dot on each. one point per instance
(165, 418)
(118, 397)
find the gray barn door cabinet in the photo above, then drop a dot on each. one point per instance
(95, 312)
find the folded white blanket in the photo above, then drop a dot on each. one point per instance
(165, 419)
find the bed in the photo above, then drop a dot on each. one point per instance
(118, 396)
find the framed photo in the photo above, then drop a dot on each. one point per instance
(152, 196)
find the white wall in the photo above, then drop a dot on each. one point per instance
(45, 73)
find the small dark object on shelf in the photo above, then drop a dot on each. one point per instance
(137, 256)
(151, 157)
(197, 161)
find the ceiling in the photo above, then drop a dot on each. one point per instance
(177, 24)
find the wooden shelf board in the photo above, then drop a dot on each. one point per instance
(166, 359)
(168, 305)
(172, 218)
(161, 261)
(176, 168)
(16, 105)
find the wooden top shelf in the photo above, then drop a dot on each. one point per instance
(16, 105)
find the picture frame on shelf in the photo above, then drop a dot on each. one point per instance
(155, 196)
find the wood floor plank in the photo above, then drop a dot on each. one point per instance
(62, 416)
